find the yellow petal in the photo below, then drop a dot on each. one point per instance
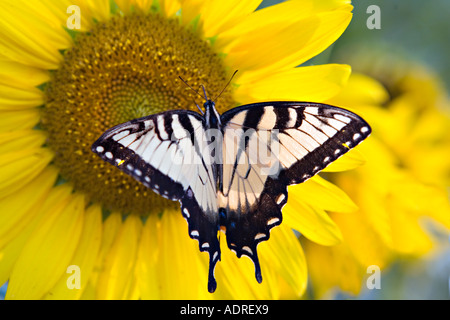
(17, 213)
(21, 139)
(318, 191)
(11, 250)
(190, 10)
(351, 160)
(99, 9)
(409, 202)
(331, 267)
(127, 6)
(361, 239)
(11, 245)
(218, 16)
(315, 83)
(361, 90)
(58, 9)
(84, 258)
(89, 292)
(373, 205)
(90, 11)
(169, 7)
(284, 253)
(115, 279)
(111, 226)
(147, 275)
(166, 255)
(15, 98)
(42, 22)
(281, 46)
(21, 76)
(19, 168)
(438, 209)
(311, 221)
(236, 276)
(183, 275)
(409, 237)
(46, 255)
(18, 120)
(281, 13)
(33, 43)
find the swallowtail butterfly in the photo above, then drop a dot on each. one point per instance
(231, 171)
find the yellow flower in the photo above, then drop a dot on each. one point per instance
(401, 190)
(67, 216)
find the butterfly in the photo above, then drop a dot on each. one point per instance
(231, 171)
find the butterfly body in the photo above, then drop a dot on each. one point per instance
(212, 117)
(231, 171)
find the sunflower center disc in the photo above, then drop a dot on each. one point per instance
(124, 69)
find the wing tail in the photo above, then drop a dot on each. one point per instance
(203, 228)
(246, 230)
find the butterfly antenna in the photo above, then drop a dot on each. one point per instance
(200, 109)
(204, 92)
(229, 81)
(190, 86)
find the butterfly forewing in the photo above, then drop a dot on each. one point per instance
(165, 152)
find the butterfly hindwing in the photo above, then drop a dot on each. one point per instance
(273, 145)
(246, 228)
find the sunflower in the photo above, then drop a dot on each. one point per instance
(402, 189)
(74, 227)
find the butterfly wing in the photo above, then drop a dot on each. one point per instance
(165, 152)
(268, 146)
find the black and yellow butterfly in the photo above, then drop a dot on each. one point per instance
(232, 170)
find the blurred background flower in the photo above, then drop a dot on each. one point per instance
(399, 83)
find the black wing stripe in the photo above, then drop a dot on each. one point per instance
(158, 120)
(168, 125)
(300, 116)
(283, 117)
(253, 117)
(187, 125)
